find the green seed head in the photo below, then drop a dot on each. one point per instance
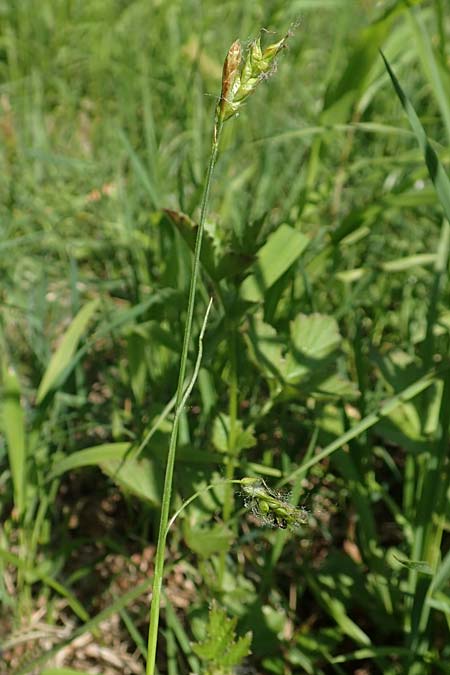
(239, 80)
(270, 506)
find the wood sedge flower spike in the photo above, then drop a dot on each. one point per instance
(239, 80)
(270, 506)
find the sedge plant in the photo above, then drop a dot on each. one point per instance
(242, 72)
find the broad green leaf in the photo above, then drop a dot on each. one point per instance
(137, 476)
(408, 423)
(280, 251)
(60, 361)
(314, 339)
(133, 475)
(367, 422)
(337, 386)
(404, 426)
(93, 456)
(13, 425)
(267, 349)
(306, 360)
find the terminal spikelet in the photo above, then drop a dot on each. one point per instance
(240, 77)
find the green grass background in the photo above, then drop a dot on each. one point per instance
(106, 111)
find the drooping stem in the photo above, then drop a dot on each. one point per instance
(167, 491)
(212, 486)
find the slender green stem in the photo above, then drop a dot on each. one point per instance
(231, 455)
(233, 413)
(236, 481)
(167, 492)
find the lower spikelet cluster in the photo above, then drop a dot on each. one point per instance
(271, 507)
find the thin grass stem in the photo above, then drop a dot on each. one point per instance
(179, 404)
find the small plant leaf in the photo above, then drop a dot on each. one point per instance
(220, 649)
(281, 250)
(205, 541)
(135, 476)
(218, 260)
(308, 358)
(267, 349)
(314, 338)
(188, 230)
(238, 651)
(244, 438)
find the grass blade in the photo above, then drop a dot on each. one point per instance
(437, 174)
(13, 425)
(431, 66)
(369, 421)
(60, 361)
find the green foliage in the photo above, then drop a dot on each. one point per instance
(62, 359)
(131, 474)
(220, 651)
(304, 363)
(244, 438)
(206, 541)
(281, 250)
(324, 371)
(13, 426)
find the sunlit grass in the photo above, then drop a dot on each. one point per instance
(324, 368)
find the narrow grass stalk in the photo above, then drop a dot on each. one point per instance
(239, 80)
(231, 455)
(179, 404)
